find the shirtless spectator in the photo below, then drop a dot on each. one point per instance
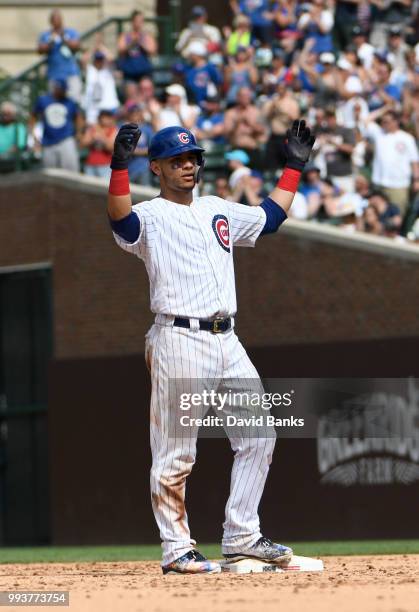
(279, 112)
(244, 127)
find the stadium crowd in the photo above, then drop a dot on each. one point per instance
(351, 68)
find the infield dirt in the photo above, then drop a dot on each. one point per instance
(366, 584)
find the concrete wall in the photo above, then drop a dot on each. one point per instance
(306, 284)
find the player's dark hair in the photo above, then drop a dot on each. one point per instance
(135, 14)
(393, 114)
(379, 194)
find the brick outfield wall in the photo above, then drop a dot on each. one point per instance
(291, 290)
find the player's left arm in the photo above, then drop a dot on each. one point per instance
(299, 144)
(247, 223)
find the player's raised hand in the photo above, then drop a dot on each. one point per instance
(124, 146)
(298, 145)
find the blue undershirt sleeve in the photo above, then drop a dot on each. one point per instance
(275, 215)
(127, 228)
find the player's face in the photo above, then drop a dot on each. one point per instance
(177, 173)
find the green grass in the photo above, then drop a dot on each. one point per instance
(70, 554)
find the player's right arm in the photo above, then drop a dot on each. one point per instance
(124, 222)
(119, 196)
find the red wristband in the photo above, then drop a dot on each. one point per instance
(289, 180)
(119, 183)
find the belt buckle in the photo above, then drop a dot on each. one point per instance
(216, 323)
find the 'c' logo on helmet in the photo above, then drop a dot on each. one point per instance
(184, 137)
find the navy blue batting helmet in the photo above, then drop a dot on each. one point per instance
(173, 141)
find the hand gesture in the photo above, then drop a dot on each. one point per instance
(124, 146)
(153, 106)
(298, 145)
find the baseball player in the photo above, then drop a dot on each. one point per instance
(186, 244)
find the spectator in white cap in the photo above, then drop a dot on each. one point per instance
(353, 113)
(324, 81)
(238, 161)
(199, 30)
(100, 89)
(176, 110)
(364, 50)
(397, 48)
(350, 84)
(202, 79)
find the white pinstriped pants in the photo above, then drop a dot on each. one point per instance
(200, 359)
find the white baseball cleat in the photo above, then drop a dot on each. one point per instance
(192, 562)
(263, 550)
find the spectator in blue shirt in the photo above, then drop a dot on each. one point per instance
(139, 167)
(135, 49)
(311, 188)
(261, 14)
(384, 91)
(240, 72)
(202, 79)
(316, 23)
(59, 116)
(210, 124)
(60, 44)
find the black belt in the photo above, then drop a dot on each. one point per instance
(217, 326)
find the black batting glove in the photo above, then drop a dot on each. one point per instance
(298, 145)
(124, 146)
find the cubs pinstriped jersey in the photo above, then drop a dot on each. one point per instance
(188, 253)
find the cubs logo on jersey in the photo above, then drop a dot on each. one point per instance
(221, 231)
(184, 137)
